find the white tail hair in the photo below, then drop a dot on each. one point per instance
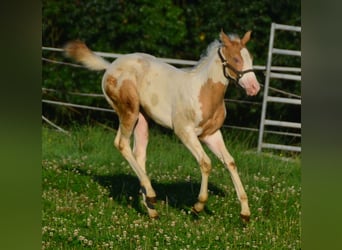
(78, 51)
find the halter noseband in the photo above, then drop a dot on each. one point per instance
(225, 64)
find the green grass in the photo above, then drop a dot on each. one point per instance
(90, 196)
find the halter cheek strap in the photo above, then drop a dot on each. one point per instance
(225, 65)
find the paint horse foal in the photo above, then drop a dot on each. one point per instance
(191, 102)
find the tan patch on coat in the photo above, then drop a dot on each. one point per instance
(232, 166)
(111, 81)
(125, 101)
(213, 108)
(112, 91)
(129, 97)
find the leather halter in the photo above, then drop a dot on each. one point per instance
(225, 64)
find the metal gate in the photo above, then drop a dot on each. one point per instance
(278, 73)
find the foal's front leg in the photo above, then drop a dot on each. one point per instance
(216, 145)
(191, 141)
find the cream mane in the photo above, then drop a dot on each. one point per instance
(210, 52)
(207, 56)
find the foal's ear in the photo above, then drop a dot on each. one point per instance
(225, 39)
(246, 37)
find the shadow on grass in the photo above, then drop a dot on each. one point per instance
(125, 188)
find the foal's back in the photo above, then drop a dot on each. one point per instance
(162, 88)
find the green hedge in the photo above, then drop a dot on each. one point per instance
(164, 28)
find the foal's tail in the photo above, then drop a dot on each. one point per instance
(78, 51)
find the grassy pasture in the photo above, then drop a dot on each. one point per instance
(90, 196)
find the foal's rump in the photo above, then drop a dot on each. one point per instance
(157, 84)
(152, 83)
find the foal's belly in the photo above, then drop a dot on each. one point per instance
(158, 114)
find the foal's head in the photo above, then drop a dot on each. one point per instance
(238, 60)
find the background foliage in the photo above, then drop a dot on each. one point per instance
(165, 28)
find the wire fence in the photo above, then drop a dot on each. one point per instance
(167, 60)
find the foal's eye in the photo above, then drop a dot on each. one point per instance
(236, 60)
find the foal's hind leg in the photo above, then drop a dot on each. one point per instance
(141, 141)
(125, 101)
(139, 151)
(122, 142)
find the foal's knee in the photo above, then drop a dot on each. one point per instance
(121, 144)
(116, 143)
(205, 165)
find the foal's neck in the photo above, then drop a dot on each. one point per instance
(214, 69)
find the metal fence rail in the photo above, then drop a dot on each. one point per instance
(293, 101)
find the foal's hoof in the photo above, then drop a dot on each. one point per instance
(153, 214)
(150, 203)
(151, 200)
(194, 211)
(154, 217)
(245, 218)
(198, 207)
